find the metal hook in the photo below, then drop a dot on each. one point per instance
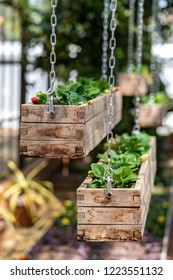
(49, 104)
(109, 187)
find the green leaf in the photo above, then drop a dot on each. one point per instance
(74, 98)
(117, 176)
(126, 171)
(98, 170)
(102, 156)
(131, 177)
(96, 183)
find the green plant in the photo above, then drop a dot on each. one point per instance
(82, 91)
(128, 151)
(158, 98)
(35, 196)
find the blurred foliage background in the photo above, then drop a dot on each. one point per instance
(79, 33)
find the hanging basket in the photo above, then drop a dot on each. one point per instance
(121, 218)
(151, 115)
(127, 84)
(72, 133)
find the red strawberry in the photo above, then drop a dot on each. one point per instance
(34, 100)
(115, 89)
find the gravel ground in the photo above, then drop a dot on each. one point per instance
(62, 245)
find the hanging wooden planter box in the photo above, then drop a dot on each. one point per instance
(127, 84)
(121, 218)
(72, 133)
(151, 115)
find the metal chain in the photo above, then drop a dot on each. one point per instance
(131, 36)
(153, 62)
(105, 40)
(136, 128)
(108, 174)
(52, 75)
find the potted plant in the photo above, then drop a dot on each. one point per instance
(121, 217)
(29, 200)
(127, 82)
(78, 124)
(6, 220)
(153, 109)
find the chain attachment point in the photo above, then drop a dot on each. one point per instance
(108, 174)
(49, 103)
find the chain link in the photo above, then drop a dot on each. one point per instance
(136, 128)
(131, 36)
(105, 40)
(153, 61)
(52, 75)
(108, 174)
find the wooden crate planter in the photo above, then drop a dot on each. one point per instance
(72, 133)
(127, 84)
(121, 218)
(151, 115)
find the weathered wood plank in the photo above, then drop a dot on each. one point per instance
(52, 149)
(108, 215)
(127, 84)
(101, 104)
(151, 115)
(99, 133)
(97, 197)
(109, 233)
(63, 114)
(49, 132)
(153, 148)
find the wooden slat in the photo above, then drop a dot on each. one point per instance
(127, 84)
(146, 202)
(97, 197)
(151, 115)
(99, 133)
(145, 171)
(153, 148)
(52, 149)
(101, 104)
(145, 207)
(108, 215)
(109, 233)
(37, 113)
(49, 132)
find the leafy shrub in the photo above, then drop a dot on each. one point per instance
(68, 216)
